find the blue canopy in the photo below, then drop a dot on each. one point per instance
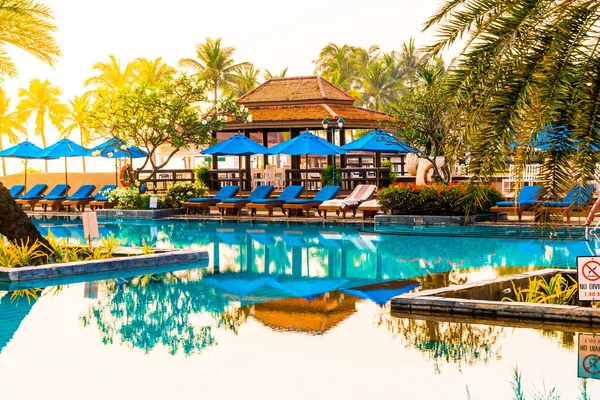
(237, 145)
(379, 141)
(26, 150)
(555, 137)
(63, 148)
(306, 143)
(116, 148)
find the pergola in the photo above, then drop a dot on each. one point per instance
(296, 104)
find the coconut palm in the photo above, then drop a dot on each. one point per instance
(152, 71)
(338, 65)
(11, 124)
(111, 74)
(380, 78)
(215, 64)
(41, 99)
(524, 65)
(245, 79)
(29, 26)
(270, 75)
(78, 113)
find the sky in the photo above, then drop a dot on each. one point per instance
(271, 34)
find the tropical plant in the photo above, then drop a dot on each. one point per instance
(111, 74)
(181, 192)
(41, 99)
(524, 65)
(28, 25)
(201, 174)
(150, 116)
(389, 164)
(78, 114)
(129, 198)
(152, 71)
(214, 64)
(556, 290)
(245, 79)
(21, 254)
(337, 64)
(270, 75)
(11, 124)
(380, 77)
(327, 175)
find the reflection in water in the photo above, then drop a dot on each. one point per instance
(449, 342)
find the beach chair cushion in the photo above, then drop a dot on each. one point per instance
(226, 192)
(103, 193)
(260, 192)
(326, 193)
(58, 192)
(359, 194)
(528, 196)
(577, 197)
(83, 193)
(290, 192)
(16, 190)
(35, 192)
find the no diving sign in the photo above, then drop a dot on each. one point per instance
(588, 278)
(588, 356)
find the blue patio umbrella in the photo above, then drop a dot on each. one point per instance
(237, 145)
(380, 294)
(24, 150)
(116, 148)
(556, 138)
(379, 141)
(64, 148)
(304, 144)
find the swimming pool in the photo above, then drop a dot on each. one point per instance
(282, 312)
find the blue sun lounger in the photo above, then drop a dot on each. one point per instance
(100, 199)
(326, 193)
(577, 199)
(289, 193)
(205, 203)
(57, 191)
(83, 193)
(16, 190)
(236, 204)
(526, 200)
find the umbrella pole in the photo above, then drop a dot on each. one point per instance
(116, 172)
(240, 171)
(66, 180)
(377, 164)
(26, 160)
(306, 177)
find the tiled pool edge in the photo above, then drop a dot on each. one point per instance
(140, 214)
(433, 301)
(436, 219)
(95, 266)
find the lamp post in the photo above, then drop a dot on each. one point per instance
(340, 125)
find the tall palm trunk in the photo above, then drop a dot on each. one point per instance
(43, 143)
(81, 142)
(3, 162)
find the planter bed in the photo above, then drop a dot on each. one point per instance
(482, 299)
(48, 271)
(140, 214)
(435, 219)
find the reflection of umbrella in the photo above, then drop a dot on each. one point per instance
(379, 141)
(381, 293)
(115, 148)
(237, 145)
(63, 148)
(25, 150)
(304, 144)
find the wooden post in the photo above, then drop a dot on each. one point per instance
(330, 140)
(296, 179)
(265, 142)
(215, 159)
(343, 161)
(248, 180)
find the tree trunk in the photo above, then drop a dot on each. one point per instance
(15, 224)
(3, 162)
(81, 142)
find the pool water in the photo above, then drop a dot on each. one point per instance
(284, 312)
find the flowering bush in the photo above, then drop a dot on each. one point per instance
(129, 198)
(180, 192)
(438, 199)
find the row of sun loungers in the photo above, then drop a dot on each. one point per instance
(289, 201)
(57, 198)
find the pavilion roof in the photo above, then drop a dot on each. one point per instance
(296, 90)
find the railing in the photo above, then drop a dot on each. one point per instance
(165, 178)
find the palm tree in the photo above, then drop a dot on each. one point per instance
(41, 98)
(338, 65)
(27, 25)
(524, 65)
(215, 64)
(245, 79)
(78, 113)
(380, 78)
(11, 124)
(110, 74)
(409, 60)
(270, 75)
(152, 71)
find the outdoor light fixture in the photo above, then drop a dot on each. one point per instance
(340, 125)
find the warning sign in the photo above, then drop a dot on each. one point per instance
(588, 278)
(588, 356)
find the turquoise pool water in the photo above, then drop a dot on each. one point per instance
(283, 312)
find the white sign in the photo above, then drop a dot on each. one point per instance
(90, 224)
(588, 356)
(153, 202)
(588, 278)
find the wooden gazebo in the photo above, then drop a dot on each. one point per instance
(296, 104)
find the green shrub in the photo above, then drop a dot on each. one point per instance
(438, 199)
(390, 165)
(201, 175)
(327, 176)
(129, 198)
(180, 192)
